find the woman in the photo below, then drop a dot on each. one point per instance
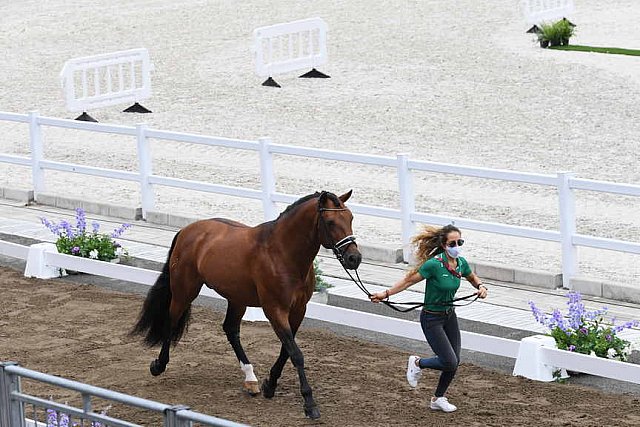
(440, 263)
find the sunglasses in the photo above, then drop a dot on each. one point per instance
(455, 243)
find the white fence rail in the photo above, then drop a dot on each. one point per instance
(367, 321)
(290, 46)
(538, 11)
(107, 79)
(565, 183)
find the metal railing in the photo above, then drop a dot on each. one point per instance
(17, 409)
(564, 182)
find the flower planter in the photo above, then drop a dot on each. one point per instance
(75, 273)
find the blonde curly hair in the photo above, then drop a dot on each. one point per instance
(429, 243)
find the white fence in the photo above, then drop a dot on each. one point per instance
(290, 46)
(366, 321)
(538, 11)
(108, 79)
(564, 182)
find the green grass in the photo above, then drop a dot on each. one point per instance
(612, 50)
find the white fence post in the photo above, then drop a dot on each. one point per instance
(144, 164)
(35, 139)
(567, 228)
(407, 204)
(530, 362)
(268, 181)
(36, 261)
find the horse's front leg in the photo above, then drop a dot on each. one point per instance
(269, 385)
(280, 320)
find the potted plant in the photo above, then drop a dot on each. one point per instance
(585, 331)
(555, 34)
(79, 241)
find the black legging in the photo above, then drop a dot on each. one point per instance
(443, 335)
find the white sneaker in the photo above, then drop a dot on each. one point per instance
(442, 404)
(413, 372)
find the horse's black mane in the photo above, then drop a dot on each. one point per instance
(293, 206)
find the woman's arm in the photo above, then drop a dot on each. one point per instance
(477, 283)
(399, 286)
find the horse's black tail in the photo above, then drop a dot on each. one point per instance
(154, 321)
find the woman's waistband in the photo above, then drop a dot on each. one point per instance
(439, 312)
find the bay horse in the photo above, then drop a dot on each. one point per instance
(269, 266)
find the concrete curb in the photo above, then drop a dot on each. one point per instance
(23, 196)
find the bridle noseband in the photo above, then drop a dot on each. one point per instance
(340, 246)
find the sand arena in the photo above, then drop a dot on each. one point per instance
(449, 82)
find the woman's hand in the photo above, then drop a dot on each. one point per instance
(379, 296)
(482, 292)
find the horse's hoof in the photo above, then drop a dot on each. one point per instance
(313, 412)
(267, 390)
(157, 368)
(252, 388)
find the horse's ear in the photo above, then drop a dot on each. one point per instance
(345, 196)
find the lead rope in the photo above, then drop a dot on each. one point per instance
(393, 304)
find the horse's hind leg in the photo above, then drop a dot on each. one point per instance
(231, 327)
(179, 312)
(159, 365)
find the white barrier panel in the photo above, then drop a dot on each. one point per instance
(291, 46)
(107, 79)
(530, 362)
(538, 11)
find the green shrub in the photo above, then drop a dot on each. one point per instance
(321, 284)
(555, 34)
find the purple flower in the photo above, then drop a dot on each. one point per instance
(583, 330)
(576, 309)
(538, 314)
(68, 230)
(95, 226)
(57, 419)
(52, 226)
(608, 337)
(572, 347)
(627, 325)
(118, 231)
(75, 250)
(81, 221)
(557, 319)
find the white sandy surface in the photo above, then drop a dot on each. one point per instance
(457, 82)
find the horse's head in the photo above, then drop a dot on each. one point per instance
(334, 228)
